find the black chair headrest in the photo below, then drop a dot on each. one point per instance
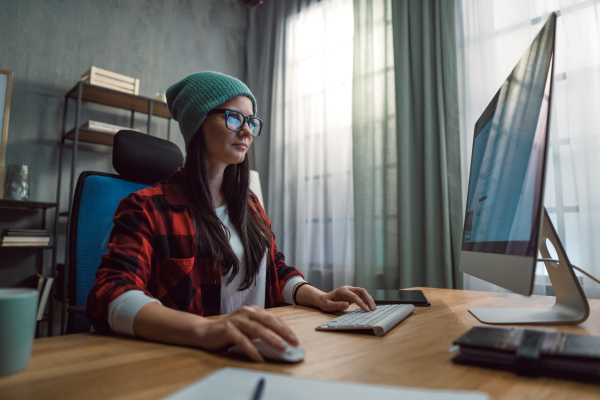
(142, 158)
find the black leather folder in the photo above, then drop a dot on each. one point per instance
(532, 352)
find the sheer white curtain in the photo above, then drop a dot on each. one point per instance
(310, 174)
(375, 152)
(491, 37)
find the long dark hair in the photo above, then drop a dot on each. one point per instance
(212, 237)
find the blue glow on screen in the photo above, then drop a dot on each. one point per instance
(504, 200)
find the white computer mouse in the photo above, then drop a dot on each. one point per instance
(292, 354)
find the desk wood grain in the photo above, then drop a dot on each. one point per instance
(414, 354)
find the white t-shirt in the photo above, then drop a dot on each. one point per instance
(123, 309)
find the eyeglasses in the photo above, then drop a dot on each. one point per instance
(234, 121)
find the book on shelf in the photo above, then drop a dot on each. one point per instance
(44, 285)
(23, 232)
(24, 244)
(25, 239)
(531, 352)
(104, 127)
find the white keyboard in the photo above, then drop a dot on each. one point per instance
(380, 321)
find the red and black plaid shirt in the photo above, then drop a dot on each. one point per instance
(152, 249)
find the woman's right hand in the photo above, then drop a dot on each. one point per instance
(240, 327)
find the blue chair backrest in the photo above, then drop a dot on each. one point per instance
(97, 196)
(137, 157)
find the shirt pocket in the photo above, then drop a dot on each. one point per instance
(176, 285)
(171, 271)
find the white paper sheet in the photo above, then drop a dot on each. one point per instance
(236, 383)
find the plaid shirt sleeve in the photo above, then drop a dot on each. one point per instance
(128, 264)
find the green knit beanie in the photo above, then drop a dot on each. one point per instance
(191, 98)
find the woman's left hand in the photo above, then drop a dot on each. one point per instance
(341, 298)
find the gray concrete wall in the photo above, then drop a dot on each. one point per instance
(48, 44)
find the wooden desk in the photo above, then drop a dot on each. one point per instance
(414, 354)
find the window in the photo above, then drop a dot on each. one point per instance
(317, 121)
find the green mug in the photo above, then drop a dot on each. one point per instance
(18, 313)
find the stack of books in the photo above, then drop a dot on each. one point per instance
(104, 127)
(24, 237)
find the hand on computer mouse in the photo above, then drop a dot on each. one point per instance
(291, 354)
(241, 326)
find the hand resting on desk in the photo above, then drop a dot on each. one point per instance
(336, 300)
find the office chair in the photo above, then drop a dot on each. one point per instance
(140, 160)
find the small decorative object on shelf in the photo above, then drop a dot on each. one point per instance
(16, 185)
(111, 80)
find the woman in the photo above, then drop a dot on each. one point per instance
(200, 244)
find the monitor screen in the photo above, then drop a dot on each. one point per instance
(504, 203)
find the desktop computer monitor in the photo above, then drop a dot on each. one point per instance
(505, 220)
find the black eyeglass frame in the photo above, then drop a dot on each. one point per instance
(257, 121)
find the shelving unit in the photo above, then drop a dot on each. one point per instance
(81, 93)
(43, 207)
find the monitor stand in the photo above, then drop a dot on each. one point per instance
(571, 306)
